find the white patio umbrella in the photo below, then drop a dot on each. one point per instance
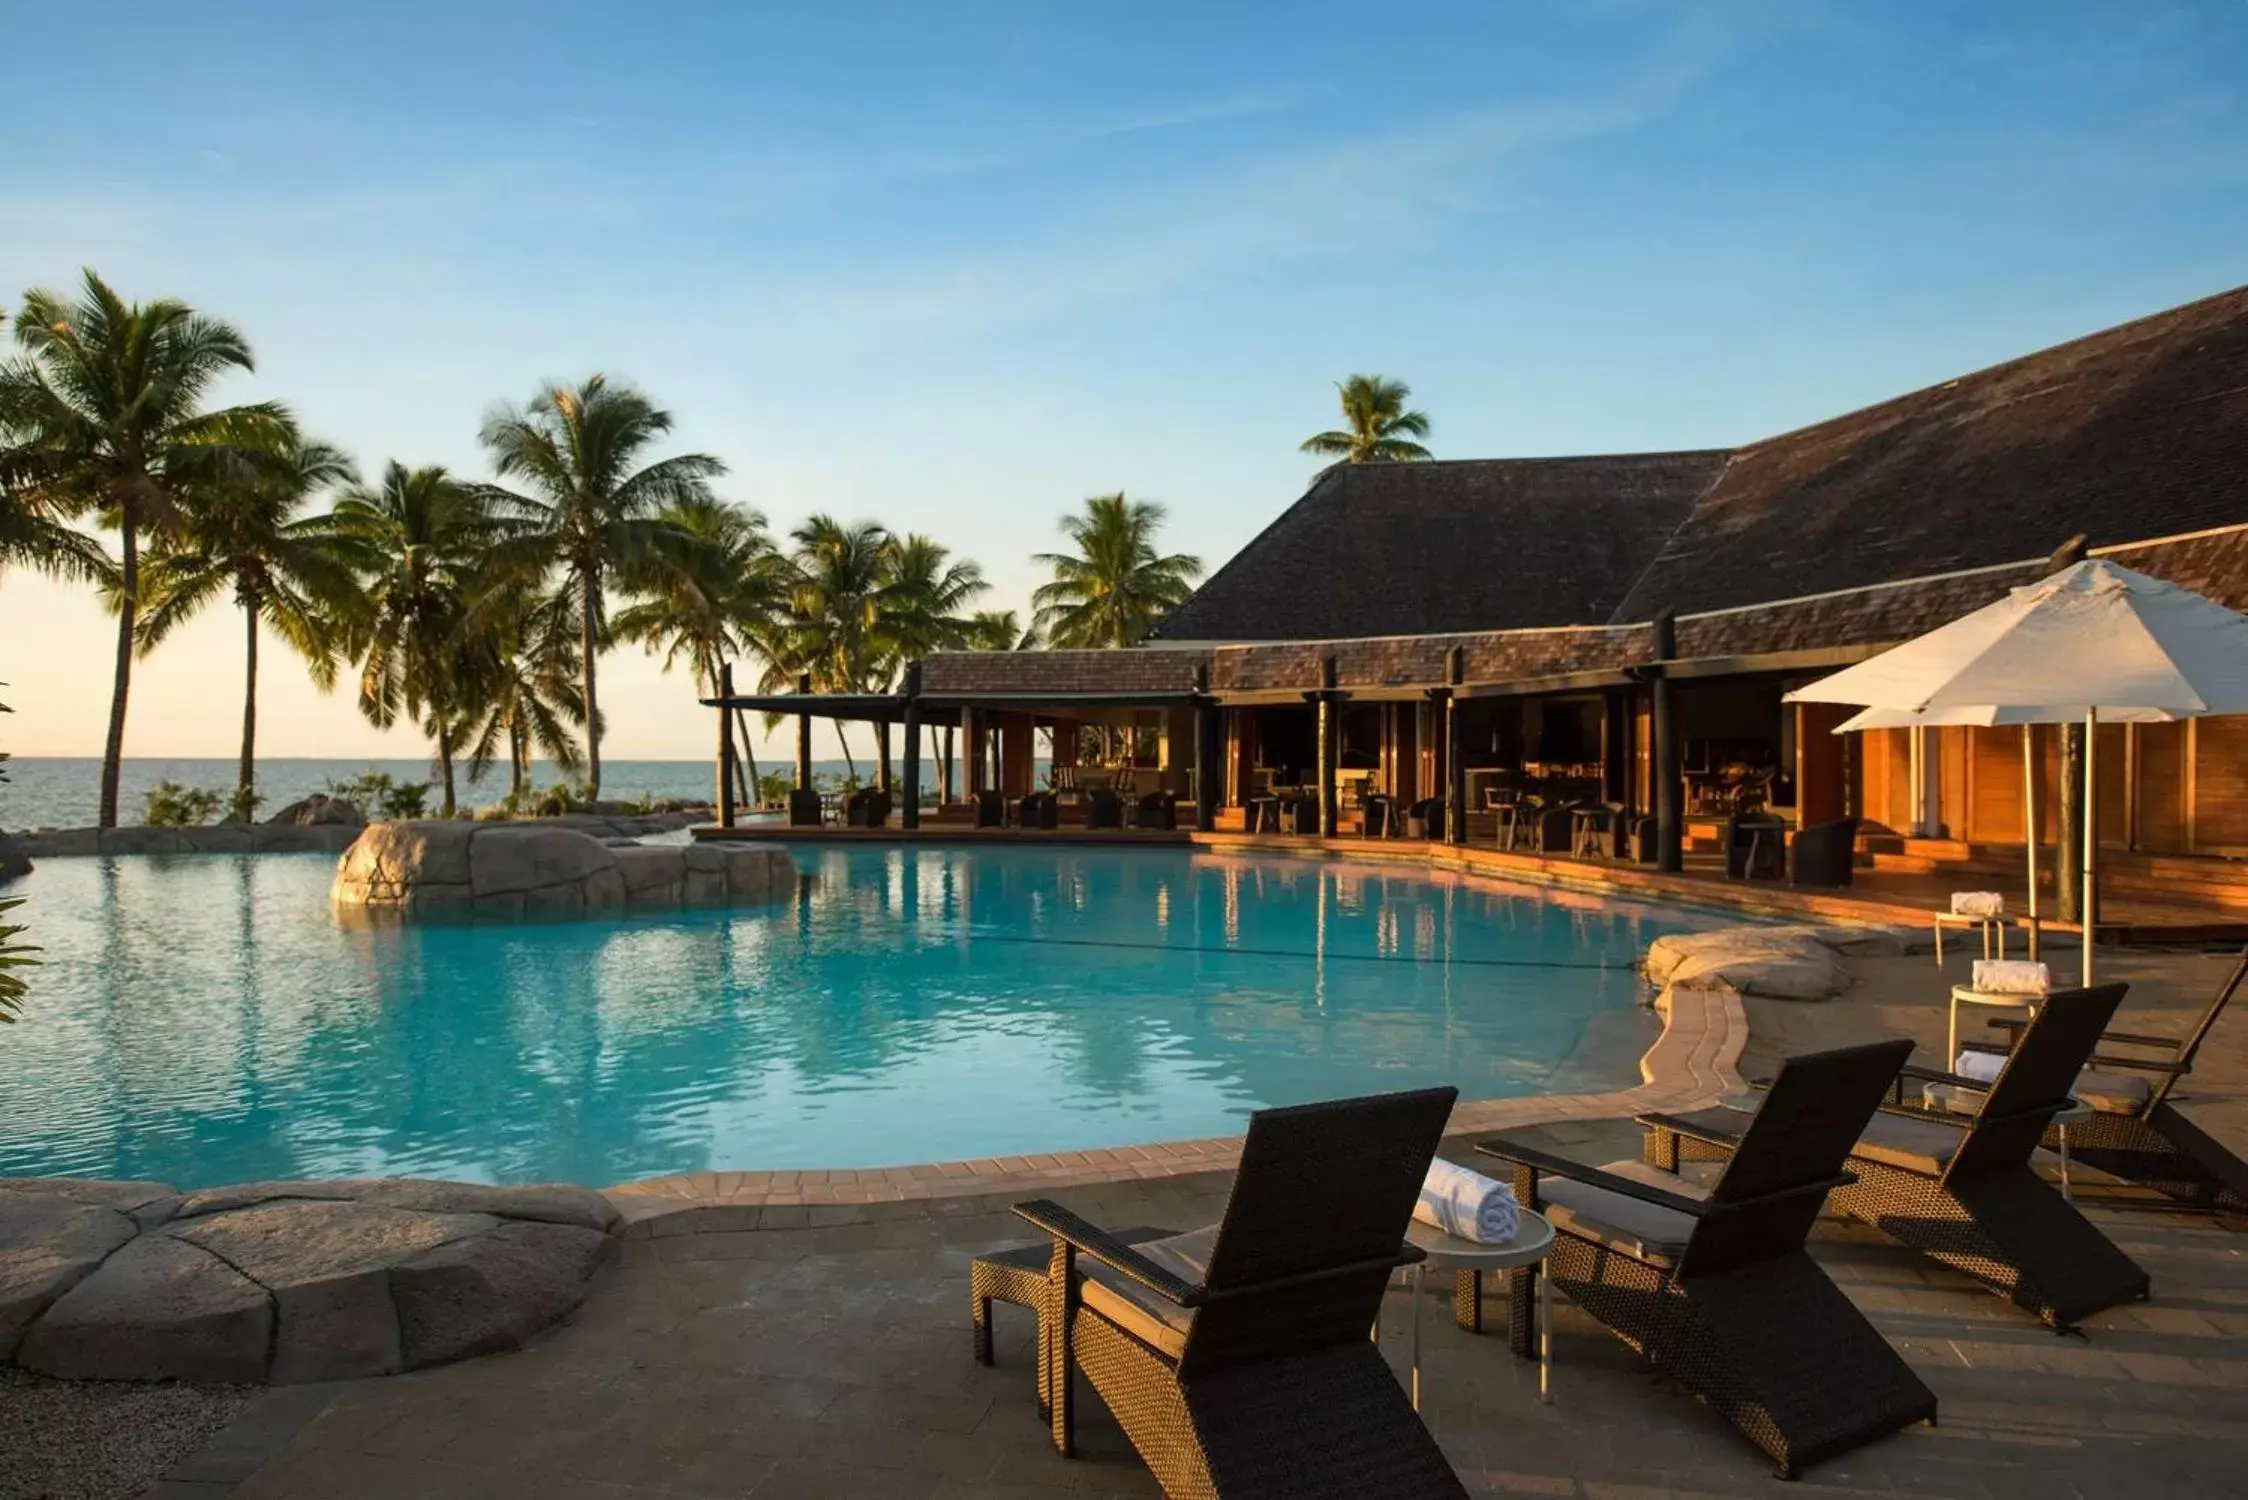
(2093, 641)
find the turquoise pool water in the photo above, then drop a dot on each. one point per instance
(206, 1020)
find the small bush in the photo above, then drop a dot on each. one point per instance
(13, 955)
(171, 805)
(378, 795)
(243, 805)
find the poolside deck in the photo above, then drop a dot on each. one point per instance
(2189, 913)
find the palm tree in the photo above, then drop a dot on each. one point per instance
(1115, 588)
(1377, 429)
(997, 630)
(840, 591)
(106, 411)
(420, 541)
(591, 510)
(927, 593)
(289, 571)
(521, 688)
(710, 597)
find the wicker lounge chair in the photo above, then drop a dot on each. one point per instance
(1715, 1286)
(1825, 854)
(805, 809)
(991, 810)
(2136, 1132)
(869, 807)
(1156, 810)
(1103, 809)
(1038, 810)
(1236, 1357)
(1960, 1189)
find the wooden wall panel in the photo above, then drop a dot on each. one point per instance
(1954, 807)
(1994, 757)
(2113, 783)
(2220, 784)
(1820, 792)
(2162, 788)
(1886, 756)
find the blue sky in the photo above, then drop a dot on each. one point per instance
(958, 267)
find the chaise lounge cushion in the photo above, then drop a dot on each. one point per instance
(1915, 1145)
(1139, 1312)
(1644, 1231)
(2109, 1093)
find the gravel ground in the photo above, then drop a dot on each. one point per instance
(73, 1440)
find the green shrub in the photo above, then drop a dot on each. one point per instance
(378, 795)
(171, 805)
(243, 805)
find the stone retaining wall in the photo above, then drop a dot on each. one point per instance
(436, 869)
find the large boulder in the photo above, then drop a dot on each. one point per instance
(48, 1244)
(547, 868)
(157, 1309)
(319, 810)
(1775, 962)
(492, 1292)
(15, 860)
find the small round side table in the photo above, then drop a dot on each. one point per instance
(1532, 1242)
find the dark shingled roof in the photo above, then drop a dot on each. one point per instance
(1143, 670)
(1419, 548)
(2139, 431)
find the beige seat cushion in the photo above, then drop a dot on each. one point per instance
(1644, 1231)
(1916, 1145)
(2113, 1093)
(1152, 1320)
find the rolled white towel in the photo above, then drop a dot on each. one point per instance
(2012, 976)
(1978, 904)
(1468, 1205)
(1984, 1067)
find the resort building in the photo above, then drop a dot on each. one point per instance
(1605, 626)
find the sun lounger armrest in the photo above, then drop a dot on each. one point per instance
(1938, 1075)
(1696, 1129)
(1553, 1165)
(2012, 1024)
(1090, 1239)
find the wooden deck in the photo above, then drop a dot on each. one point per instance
(2127, 917)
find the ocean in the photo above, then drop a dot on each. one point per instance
(65, 792)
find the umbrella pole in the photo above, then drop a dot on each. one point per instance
(2029, 824)
(2090, 894)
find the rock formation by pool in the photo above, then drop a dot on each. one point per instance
(284, 1282)
(448, 869)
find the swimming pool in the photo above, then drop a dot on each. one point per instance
(204, 1019)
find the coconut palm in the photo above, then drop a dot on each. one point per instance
(1377, 429)
(927, 593)
(1115, 588)
(841, 588)
(420, 541)
(105, 411)
(592, 506)
(712, 596)
(996, 630)
(521, 687)
(290, 572)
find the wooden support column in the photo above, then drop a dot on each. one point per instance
(1455, 762)
(1615, 747)
(804, 737)
(1670, 828)
(1330, 749)
(911, 815)
(725, 746)
(1209, 751)
(971, 752)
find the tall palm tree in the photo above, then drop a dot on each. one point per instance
(521, 692)
(1377, 429)
(1115, 587)
(105, 411)
(712, 596)
(841, 589)
(290, 572)
(997, 630)
(928, 591)
(592, 505)
(420, 540)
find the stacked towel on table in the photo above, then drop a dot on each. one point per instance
(1468, 1205)
(2012, 976)
(1978, 904)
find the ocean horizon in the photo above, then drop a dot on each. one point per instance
(65, 791)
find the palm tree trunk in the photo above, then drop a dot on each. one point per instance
(515, 760)
(246, 775)
(589, 603)
(113, 748)
(755, 795)
(843, 739)
(445, 759)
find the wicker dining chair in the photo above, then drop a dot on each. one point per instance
(1714, 1285)
(2136, 1132)
(1235, 1357)
(1960, 1189)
